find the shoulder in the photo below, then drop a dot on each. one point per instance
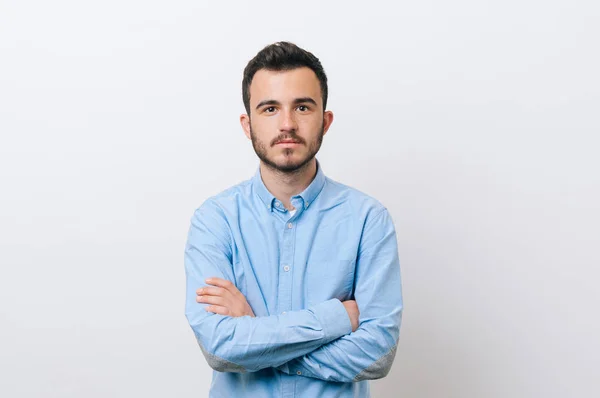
(357, 201)
(219, 204)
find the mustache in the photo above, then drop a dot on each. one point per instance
(287, 137)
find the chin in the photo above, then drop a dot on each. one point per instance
(289, 165)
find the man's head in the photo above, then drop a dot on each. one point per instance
(285, 94)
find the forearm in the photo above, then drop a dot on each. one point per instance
(367, 353)
(246, 344)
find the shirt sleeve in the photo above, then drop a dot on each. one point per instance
(368, 352)
(247, 344)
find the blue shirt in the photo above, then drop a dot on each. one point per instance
(295, 271)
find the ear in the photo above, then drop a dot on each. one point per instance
(327, 120)
(245, 122)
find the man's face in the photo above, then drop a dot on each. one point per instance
(286, 122)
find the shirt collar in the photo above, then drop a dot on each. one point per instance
(308, 195)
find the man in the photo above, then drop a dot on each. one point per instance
(293, 279)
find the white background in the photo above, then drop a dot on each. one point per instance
(476, 123)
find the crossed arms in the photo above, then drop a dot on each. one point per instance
(319, 341)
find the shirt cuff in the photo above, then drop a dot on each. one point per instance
(335, 319)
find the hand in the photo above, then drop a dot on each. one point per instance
(224, 297)
(353, 313)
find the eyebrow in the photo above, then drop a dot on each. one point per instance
(297, 101)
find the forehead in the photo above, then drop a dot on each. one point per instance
(284, 86)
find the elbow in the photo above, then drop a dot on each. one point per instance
(212, 347)
(387, 345)
(223, 366)
(219, 364)
(380, 368)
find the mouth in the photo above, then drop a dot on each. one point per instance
(288, 143)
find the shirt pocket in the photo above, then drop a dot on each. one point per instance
(329, 279)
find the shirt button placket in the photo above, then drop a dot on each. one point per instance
(285, 292)
(285, 274)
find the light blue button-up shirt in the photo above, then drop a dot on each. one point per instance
(295, 271)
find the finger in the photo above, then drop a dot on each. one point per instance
(212, 291)
(219, 281)
(211, 300)
(217, 309)
(224, 283)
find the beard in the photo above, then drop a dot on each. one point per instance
(288, 166)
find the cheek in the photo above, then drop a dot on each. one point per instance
(310, 125)
(264, 126)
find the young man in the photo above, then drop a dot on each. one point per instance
(293, 279)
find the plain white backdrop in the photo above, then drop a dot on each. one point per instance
(475, 122)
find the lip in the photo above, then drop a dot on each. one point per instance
(288, 143)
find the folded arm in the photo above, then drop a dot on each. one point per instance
(246, 344)
(368, 352)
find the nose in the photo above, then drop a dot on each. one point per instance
(287, 121)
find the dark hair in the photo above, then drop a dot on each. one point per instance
(282, 56)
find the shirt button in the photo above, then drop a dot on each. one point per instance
(306, 205)
(286, 268)
(290, 225)
(299, 373)
(277, 204)
(283, 313)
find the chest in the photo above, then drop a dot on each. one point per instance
(289, 264)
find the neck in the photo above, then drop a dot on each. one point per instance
(285, 185)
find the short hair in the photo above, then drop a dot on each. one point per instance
(282, 56)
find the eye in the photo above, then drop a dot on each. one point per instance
(302, 108)
(270, 109)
